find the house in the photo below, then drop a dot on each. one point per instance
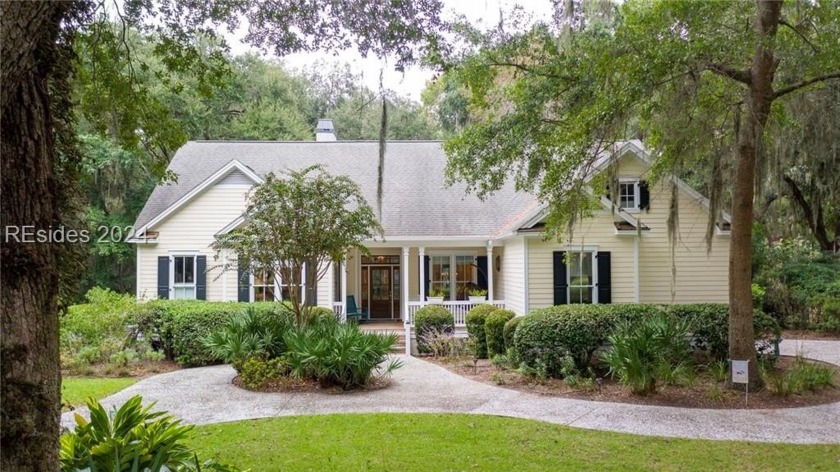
(436, 237)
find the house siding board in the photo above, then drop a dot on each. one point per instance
(192, 230)
(512, 275)
(599, 231)
(701, 276)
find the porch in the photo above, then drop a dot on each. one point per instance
(392, 283)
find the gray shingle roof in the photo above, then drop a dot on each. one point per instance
(416, 202)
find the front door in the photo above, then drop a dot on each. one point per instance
(384, 283)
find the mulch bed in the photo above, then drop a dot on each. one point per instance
(701, 394)
(293, 385)
(139, 370)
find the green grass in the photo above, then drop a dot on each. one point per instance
(74, 390)
(426, 442)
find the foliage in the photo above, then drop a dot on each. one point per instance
(510, 330)
(800, 377)
(339, 354)
(758, 294)
(250, 334)
(655, 348)
(307, 218)
(182, 326)
(830, 316)
(475, 320)
(256, 372)
(477, 292)
(442, 343)
(494, 327)
(708, 325)
(432, 317)
(130, 438)
(102, 331)
(576, 330)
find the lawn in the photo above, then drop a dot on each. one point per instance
(74, 390)
(430, 442)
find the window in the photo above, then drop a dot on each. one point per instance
(628, 196)
(441, 274)
(183, 280)
(265, 289)
(581, 275)
(464, 275)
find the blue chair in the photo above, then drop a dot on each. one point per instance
(354, 312)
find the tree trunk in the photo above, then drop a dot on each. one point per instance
(31, 382)
(759, 98)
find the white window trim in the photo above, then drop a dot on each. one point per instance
(173, 285)
(637, 194)
(594, 256)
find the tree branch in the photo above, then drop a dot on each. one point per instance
(784, 22)
(815, 224)
(739, 75)
(805, 83)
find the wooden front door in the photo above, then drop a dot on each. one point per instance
(384, 283)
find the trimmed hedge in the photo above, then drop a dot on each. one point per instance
(475, 328)
(432, 317)
(510, 331)
(709, 324)
(548, 334)
(494, 329)
(180, 326)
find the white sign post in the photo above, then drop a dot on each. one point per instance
(741, 374)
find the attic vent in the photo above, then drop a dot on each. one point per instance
(325, 131)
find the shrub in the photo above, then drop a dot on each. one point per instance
(95, 331)
(552, 333)
(444, 344)
(432, 317)
(256, 372)
(654, 349)
(182, 326)
(800, 377)
(510, 331)
(129, 438)
(494, 328)
(709, 325)
(251, 334)
(830, 316)
(339, 354)
(475, 328)
(758, 294)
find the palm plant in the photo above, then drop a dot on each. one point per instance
(249, 334)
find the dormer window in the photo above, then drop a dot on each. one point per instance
(633, 195)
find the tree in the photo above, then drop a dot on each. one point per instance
(696, 80)
(299, 225)
(39, 156)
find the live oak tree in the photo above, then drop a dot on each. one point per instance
(697, 81)
(40, 158)
(295, 226)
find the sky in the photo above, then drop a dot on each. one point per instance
(411, 82)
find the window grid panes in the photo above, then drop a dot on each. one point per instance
(627, 195)
(183, 282)
(264, 289)
(581, 277)
(440, 276)
(465, 275)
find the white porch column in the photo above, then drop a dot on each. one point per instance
(343, 274)
(421, 260)
(490, 270)
(404, 308)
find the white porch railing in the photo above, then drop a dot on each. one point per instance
(338, 309)
(458, 308)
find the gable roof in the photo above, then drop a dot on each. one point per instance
(416, 201)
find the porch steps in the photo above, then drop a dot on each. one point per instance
(382, 328)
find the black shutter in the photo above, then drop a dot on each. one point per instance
(163, 277)
(644, 195)
(604, 277)
(201, 278)
(426, 265)
(243, 284)
(560, 285)
(481, 280)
